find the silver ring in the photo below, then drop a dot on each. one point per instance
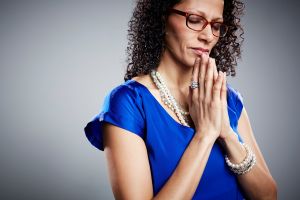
(194, 85)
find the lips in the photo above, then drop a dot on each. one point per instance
(199, 50)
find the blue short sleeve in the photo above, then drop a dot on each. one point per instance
(239, 104)
(235, 104)
(122, 107)
(235, 101)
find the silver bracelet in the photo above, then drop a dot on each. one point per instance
(246, 165)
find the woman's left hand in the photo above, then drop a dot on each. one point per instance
(226, 128)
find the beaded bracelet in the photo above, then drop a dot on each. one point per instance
(246, 165)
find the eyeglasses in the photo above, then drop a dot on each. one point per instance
(198, 23)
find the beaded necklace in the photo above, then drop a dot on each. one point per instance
(168, 98)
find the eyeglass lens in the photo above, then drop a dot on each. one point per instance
(198, 23)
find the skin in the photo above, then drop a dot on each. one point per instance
(208, 109)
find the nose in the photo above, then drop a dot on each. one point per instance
(206, 34)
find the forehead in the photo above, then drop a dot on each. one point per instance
(211, 9)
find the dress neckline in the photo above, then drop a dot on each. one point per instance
(161, 107)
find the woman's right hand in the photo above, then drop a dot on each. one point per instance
(205, 106)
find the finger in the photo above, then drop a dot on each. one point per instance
(224, 90)
(195, 77)
(217, 87)
(209, 80)
(215, 70)
(196, 67)
(202, 73)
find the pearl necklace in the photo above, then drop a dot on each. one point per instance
(167, 97)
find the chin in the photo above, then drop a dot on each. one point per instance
(189, 63)
(188, 60)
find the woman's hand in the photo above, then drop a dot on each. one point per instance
(205, 103)
(226, 128)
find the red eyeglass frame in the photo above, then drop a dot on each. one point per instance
(186, 15)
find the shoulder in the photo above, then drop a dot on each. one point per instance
(233, 94)
(133, 86)
(146, 81)
(235, 100)
(124, 99)
(128, 90)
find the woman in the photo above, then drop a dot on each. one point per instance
(175, 129)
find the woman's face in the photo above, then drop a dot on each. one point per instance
(182, 43)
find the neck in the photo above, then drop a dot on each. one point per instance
(175, 73)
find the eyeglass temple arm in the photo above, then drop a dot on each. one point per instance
(178, 12)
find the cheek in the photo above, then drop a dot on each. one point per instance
(176, 33)
(214, 42)
(178, 43)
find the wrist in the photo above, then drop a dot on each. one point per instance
(244, 166)
(231, 137)
(207, 138)
(232, 147)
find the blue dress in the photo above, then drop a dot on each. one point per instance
(131, 106)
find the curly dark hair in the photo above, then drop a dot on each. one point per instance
(147, 30)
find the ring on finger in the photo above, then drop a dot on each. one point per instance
(194, 85)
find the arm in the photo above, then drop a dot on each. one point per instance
(258, 182)
(129, 168)
(129, 174)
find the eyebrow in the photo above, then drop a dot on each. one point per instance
(203, 14)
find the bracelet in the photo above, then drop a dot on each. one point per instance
(246, 165)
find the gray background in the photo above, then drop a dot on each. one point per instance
(59, 58)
